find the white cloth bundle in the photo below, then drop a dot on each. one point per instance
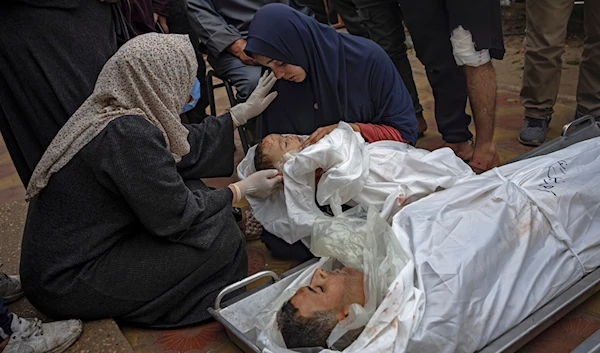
(385, 174)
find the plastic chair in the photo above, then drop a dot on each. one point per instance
(242, 130)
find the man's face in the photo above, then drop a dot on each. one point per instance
(275, 146)
(335, 290)
(282, 70)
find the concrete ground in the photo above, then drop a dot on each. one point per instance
(106, 336)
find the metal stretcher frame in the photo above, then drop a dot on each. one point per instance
(231, 313)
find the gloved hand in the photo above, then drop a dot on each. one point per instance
(257, 102)
(259, 184)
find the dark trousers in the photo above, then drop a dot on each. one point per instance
(428, 23)
(179, 23)
(383, 21)
(347, 11)
(282, 250)
(318, 7)
(5, 322)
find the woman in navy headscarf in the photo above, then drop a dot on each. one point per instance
(328, 77)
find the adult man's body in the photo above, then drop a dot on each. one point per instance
(307, 319)
(431, 24)
(545, 39)
(476, 248)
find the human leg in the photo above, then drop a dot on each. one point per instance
(544, 45)
(10, 288)
(432, 44)
(179, 23)
(5, 323)
(146, 279)
(318, 8)
(282, 250)
(45, 75)
(588, 88)
(348, 13)
(477, 38)
(481, 85)
(149, 281)
(31, 335)
(243, 77)
(383, 21)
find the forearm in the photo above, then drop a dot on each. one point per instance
(375, 132)
(211, 27)
(211, 149)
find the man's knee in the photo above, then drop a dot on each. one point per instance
(245, 85)
(464, 51)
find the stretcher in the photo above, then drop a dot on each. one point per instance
(237, 314)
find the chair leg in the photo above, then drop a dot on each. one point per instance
(242, 130)
(211, 92)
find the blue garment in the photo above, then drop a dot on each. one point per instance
(349, 78)
(195, 93)
(5, 322)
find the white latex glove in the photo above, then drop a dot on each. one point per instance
(259, 184)
(257, 102)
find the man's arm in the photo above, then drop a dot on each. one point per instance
(210, 26)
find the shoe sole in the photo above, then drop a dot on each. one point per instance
(530, 143)
(63, 347)
(13, 298)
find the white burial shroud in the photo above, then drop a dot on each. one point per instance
(496, 247)
(385, 174)
(487, 253)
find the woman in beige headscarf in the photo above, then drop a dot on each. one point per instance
(119, 224)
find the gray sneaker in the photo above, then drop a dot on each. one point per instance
(533, 132)
(10, 288)
(32, 336)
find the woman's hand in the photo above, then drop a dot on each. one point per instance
(257, 102)
(259, 184)
(321, 132)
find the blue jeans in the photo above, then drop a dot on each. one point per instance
(5, 321)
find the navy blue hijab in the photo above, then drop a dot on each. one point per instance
(348, 78)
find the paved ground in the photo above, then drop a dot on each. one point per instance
(104, 336)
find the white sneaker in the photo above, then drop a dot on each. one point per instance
(10, 288)
(32, 336)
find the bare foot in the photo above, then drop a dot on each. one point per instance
(484, 158)
(463, 150)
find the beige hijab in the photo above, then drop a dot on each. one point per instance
(150, 76)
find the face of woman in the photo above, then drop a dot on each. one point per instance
(282, 70)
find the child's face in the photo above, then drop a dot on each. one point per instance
(275, 146)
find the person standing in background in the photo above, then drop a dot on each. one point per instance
(544, 45)
(48, 68)
(168, 16)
